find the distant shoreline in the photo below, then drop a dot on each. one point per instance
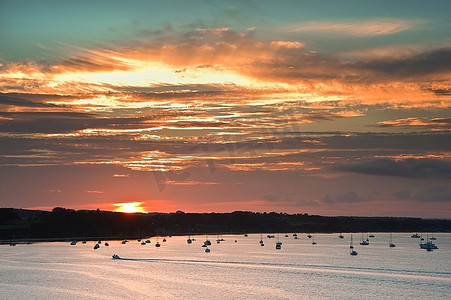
(62, 224)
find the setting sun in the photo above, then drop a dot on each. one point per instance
(129, 207)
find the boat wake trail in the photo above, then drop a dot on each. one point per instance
(442, 276)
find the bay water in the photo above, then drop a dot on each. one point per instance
(236, 268)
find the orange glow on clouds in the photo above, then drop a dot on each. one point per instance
(129, 207)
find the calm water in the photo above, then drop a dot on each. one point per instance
(242, 270)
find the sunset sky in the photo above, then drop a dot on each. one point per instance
(318, 107)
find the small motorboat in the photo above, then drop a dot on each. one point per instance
(313, 241)
(115, 256)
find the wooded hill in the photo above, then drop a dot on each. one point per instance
(62, 223)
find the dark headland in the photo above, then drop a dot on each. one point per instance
(62, 224)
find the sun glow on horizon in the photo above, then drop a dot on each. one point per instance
(129, 207)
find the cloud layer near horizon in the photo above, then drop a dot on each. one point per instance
(217, 118)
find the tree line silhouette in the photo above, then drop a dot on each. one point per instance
(62, 223)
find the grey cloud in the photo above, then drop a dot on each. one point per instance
(403, 194)
(435, 61)
(348, 197)
(63, 122)
(431, 194)
(410, 168)
(434, 194)
(270, 197)
(15, 101)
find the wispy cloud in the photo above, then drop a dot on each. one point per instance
(361, 28)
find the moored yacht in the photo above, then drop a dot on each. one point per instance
(390, 242)
(351, 248)
(364, 242)
(428, 245)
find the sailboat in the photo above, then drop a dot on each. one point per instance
(157, 243)
(390, 242)
(261, 240)
(351, 248)
(364, 242)
(432, 238)
(313, 242)
(189, 240)
(341, 236)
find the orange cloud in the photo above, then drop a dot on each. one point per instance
(438, 124)
(223, 63)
